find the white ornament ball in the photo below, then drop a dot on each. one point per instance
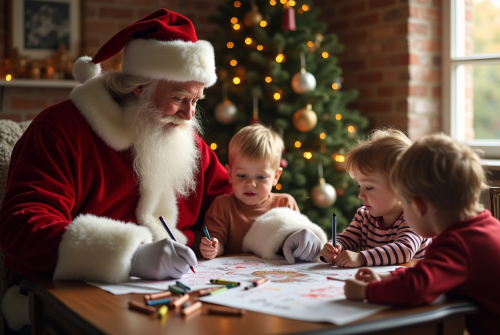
(303, 82)
(323, 195)
(225, 112)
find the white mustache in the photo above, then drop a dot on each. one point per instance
(175, 119)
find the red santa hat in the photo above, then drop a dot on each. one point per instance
(162, 45)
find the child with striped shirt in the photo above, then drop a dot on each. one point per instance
(379, 230)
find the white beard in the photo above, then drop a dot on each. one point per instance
(165, 157)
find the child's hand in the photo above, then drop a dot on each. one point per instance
(350, 259)
(209, 249)
(367, 275)
(355, 289)
(330, 253)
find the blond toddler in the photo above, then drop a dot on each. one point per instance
(254, 168)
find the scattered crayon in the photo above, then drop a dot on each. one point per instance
(183, 286)
(155, 296)
(225, 311)
(158, 302)
(207, 291)
(220, 290)
(256, 283)
(224, 282)
(140, 307)
(176, 290)
(162, 312)
(179, 301)
(191, 308)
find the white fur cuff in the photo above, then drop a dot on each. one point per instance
(15, 308)
(269, 231)
(99, 249)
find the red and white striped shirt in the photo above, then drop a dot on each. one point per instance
(382, 245)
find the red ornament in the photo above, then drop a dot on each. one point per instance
(288, 19)
(253, 121)
(283, 163)
(340, 192)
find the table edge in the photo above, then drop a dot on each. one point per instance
(65, 311)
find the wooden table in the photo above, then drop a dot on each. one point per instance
(65, 307)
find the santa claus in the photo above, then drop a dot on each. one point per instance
(91, 175)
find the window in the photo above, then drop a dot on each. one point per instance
(471, 73)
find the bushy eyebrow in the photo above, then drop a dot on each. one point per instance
(186, 93)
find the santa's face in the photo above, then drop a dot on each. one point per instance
(177, 99)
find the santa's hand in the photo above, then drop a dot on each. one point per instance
(209, 249)
(303, 244)
(162, 259)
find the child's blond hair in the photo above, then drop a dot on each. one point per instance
(378, 151)
(446, 173)
(257, 143)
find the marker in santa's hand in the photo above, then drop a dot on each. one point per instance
(334, 230)
(171, 235)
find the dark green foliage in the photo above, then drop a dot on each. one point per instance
(253, 67)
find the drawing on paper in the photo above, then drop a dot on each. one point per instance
(280, 276)
(330, 292)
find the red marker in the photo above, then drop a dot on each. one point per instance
(257, 283)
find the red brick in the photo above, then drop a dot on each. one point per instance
(336, 26)
(396, 14)
(378, 62)
(353, 37)
(436, 31)
(89, 11)
(436, 123)
(429, 75)
(402, 106)
(414, 59)
(353, 65)
(365, 92)
(115, 13)
(13, 117)
(352, 8)
(382, 32)
(27, 103)
(415, 12)
(377, 106)
(429, 46)
(421, 1)
(100, 1)
(416, 28)
(436, 92)
(366, 20)
(372, 77)
(381, 3)
(418, 91)
(400, 122)
(430, 14)
(166, 3)
(385, 91)
(100, 27)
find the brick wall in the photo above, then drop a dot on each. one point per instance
(392, 56)
(101, 20)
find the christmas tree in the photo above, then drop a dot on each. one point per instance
(276, 66)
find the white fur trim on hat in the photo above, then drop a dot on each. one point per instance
(84, 69)
(15, 308)
(172, 60)
(99, 249)
(270, 230)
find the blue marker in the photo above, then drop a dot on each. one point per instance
(334, 230)
(205, 231)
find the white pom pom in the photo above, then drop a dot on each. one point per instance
(84, 69)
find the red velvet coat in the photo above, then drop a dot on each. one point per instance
(64, 175)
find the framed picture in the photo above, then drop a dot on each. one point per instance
(38, 27)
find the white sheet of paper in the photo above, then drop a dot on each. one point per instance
(299, 291)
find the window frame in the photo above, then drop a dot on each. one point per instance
(453, 115)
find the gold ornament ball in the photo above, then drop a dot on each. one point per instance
(305, 119)
(323, 195)
(252, 18)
